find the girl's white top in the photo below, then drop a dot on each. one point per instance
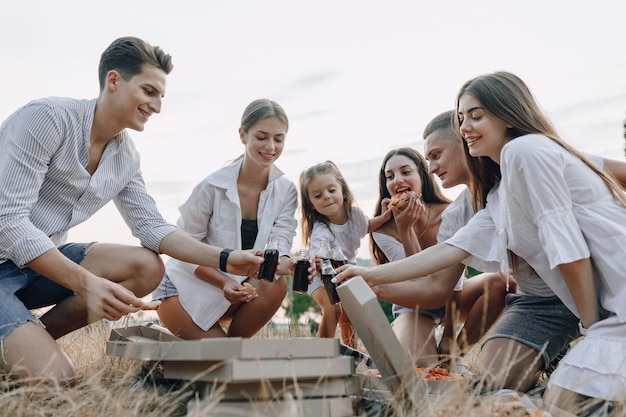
(212, 214)
(550, 209)
(347, 236)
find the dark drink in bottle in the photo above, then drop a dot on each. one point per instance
(337, 257)
(301, 275)
(336, 263)
(328, 273)
(268, 267)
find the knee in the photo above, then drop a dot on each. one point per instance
(279, 288)
(149, 270)
(275, 290)
(496, 285)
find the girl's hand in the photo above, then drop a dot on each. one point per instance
(313, 268)
(286, 266)
(232, 293)
(317, 261)
(384, 204)
(348, 271)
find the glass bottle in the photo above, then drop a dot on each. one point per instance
(325, 250)
(301, 275)
(337, 257)
(328, 273)
(270, 254)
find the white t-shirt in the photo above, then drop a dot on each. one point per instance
(347, 236)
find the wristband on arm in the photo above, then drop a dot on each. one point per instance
(224, 258)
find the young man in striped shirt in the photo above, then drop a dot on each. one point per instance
(63, 159)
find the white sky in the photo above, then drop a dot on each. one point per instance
(356, 77)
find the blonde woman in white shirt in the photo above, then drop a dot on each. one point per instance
(239, 206)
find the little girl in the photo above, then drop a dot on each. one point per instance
(329, 212)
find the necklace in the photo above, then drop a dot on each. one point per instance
(427, 223)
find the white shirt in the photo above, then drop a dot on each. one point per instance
(550, 209)
(347, 236)
(455, 217)
(45, 189)
(567, 216)
(212, 214)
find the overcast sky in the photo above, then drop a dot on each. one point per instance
(357, 78)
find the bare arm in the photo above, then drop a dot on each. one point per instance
(428, 261)
(578, 276)
(181, 246)
(103, 297)
(375, 222)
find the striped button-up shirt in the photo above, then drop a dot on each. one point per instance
(45, 189)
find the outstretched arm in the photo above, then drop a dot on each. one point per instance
(426, 262)
(181, 246)
(377, 221)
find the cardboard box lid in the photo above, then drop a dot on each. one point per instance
(146, 343)
(240, 370)
(392, 361)
(272, 390)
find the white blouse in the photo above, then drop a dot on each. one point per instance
(347, 236)
(551, 209)
(212, 214)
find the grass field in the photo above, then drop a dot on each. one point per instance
(103, 389)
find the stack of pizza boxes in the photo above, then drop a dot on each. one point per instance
(252, 377)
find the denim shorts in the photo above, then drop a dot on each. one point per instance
(22, 289)
(436, 314)
(542, 323)
(166, 289)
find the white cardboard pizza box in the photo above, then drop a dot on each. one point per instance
(319, 387)
(250, 370)
(147, 343)
(396, 368)
(301, 407)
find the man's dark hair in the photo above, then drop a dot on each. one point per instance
(127, 55)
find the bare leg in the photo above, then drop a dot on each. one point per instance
(482, 302)
(178, 321)
(330, 313)
(507, 364)
(416, 334)
(252, 316)
(570, 401)
(136, 268)
(31, 355)
(348, 335)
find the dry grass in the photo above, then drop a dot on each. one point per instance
(103, 389)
